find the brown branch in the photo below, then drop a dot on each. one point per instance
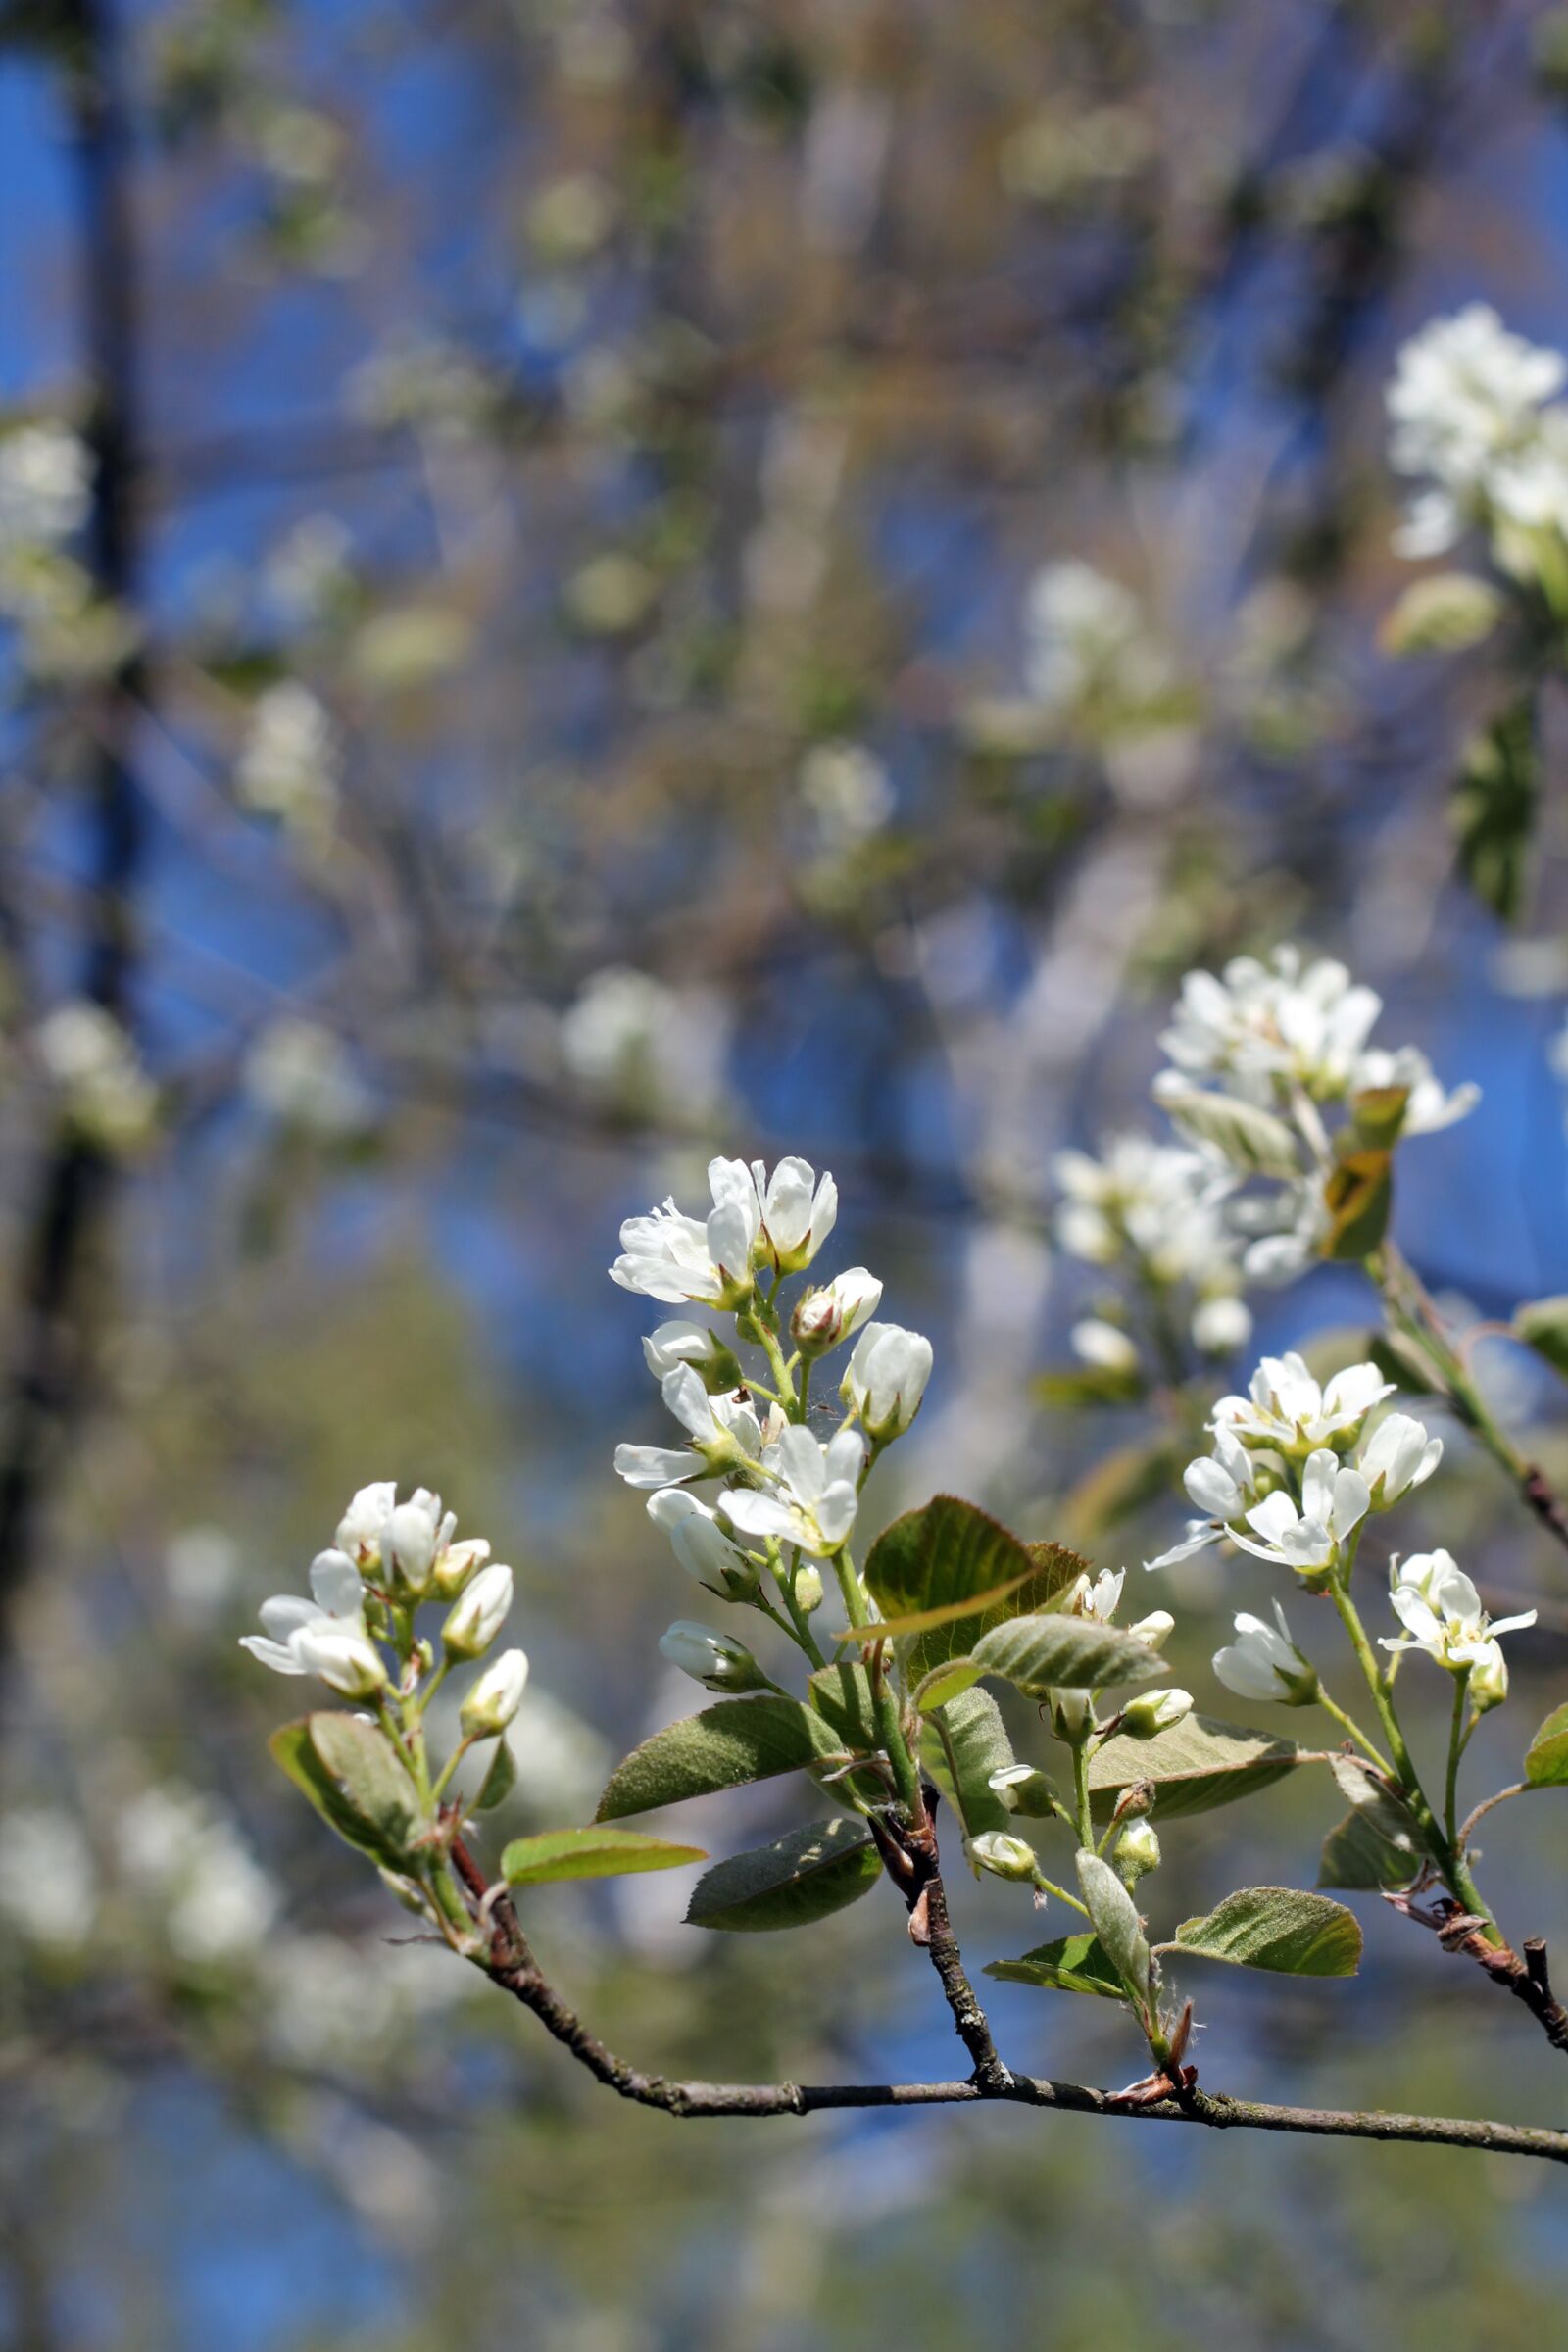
(915, 1866)
(1527, 1979)
(510, 1964)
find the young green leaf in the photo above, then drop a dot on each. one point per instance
(953, 1558)
(1494, 808)
(961, 1745)
(842, 1696)
(1357, 1855)
(1358, 1195)
(1197, 1765)
(1542, 1324)
(725, 1746)
(1072, 1963)
(922, 1621)
(944, 1683)
(592, 1853)
(1277, 1928)
(1056, 1651)
(295, 1753)
(499, 1780)
(1118, 1926)
(1446, 613)
(801, 1878)
(1547, 1757)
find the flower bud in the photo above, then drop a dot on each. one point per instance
(1072, 1715)
(1023, 1789)
(1142, 1717)
(407, 1891)
(824, 1317)
(474, 1622)
(1096, 1342)
(700, 1544)
(496, 1696)
(1156, 1628)
(413, 1536)
(1488, 1678)
(347, 1661)
(1137, 1851)
(887, 1379)
(680, 1343)
(807, 1588)
(1003, 1855)
(714, 1659)
(455, 1565)
(361, 1529)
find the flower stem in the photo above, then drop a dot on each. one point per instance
(1348, 1723)
(884, 1701)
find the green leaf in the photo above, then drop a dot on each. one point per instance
(1072, 1963)
(292, 1750)
(1542, 1324)
(1494, 808)
(922, 1621)
(1198, 1764)
(1054, 1652)
(944, 1683)
(801, 1878)
(842, 1696)
(1252, 1140)
(947, 1555)
(500, 1780)
(1398, 1359)
(1446, 613)
(1357, 1855)
(366, 1767)
(1387, 1815)
(1117, 1925)
(1547, 1757)
(1277, 1928)
(961, 1745)
(725, 1746)
(1377, 1116)
(1358, 1195)
(591, 1853)
(1075, 1388)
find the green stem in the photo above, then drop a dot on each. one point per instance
(1080, 1784)
(1348, 1722)
(1451, 1797)
(884, 1701)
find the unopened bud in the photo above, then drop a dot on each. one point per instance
(1137, 1851)
(1072, 1715)
(1023, 1789)
(807, 1588)
(414, 1533)
(474, 1621)
(1143, 1718)
(681, 1342)
(1003, 1855)
(715, 1660)
(824, 1317)
(455, 1565)
(1156, 1628)
(496, 1696)
(1488, 1678)
(1135, 1800)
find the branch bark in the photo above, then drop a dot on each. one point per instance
(510, 1963)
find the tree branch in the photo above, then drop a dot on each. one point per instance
(510, 1964)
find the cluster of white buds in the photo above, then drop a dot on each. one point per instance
(1474, 413)
(786, 1497)
(388, 1559)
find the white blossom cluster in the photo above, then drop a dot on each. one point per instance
(388, 1559)
(1089, 647)
(1156, 1212)
(45, 485)
(1474, 414)
(88, 1059)
(642, 1047)
(1296, 1472)
(291, 761)
(786, 1498)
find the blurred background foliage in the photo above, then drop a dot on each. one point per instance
(573, 655)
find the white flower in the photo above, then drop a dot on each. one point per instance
(696, 1538)
(474, 1621)
(303, 1076)
(1097, 1596)
(1160, 1203)
(1221, 1323)
(45, 485)
(1224, 1487)
(89, 1058)
(1465, 409)
(1260, 1024)
(1154, 1629)
(726, 1434)
(1334, 1502)
(798, 1211)
(849, 792)
(1488, 1678)
(680, 1343)
(1287, 1410)
(47, 1881)
(1264, 1663)
(1088, 642)
(362, 1525)
(824, 1317)
(415, 1534)
(1432, 1106)
(670, 1257)
(647, 1046)
(1398, 1456)
(338, 1600)
(347, 1661)
(1104, 1344)
(493, 1700)
(814, 1496)
(713, 1659)
(290, 761)
(887, 1378)
(1441, 1612)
